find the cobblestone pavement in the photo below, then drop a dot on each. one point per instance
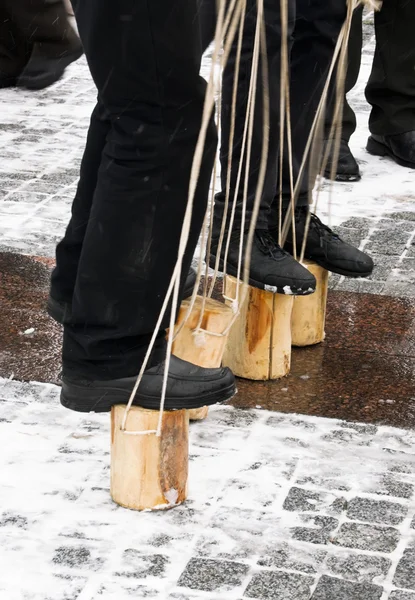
(281, 507)
(301, 508)
(42, 137)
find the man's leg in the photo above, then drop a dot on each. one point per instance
(347, 168)
(15, 49)
(391, 87)
(270, 267)
(54, 44)
(317, 28)
(144, 58)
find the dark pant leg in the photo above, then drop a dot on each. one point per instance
(15, 49)
(68, 251)
(354, 56)
(273, 37)
(144, 58)
(44, 24)
(391, 87)
(317, 28)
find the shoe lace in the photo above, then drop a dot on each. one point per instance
(268, 245)
(323, 230)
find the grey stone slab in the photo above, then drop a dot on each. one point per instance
(393, 486)
(301, 500)
(288, 556)
(329, 588)
(405, 572)
(213, 575)
(376, 511)
(401, 595)
(138, 565)
(319, 531)
(77, 557)
(362, 568)
(367, 537)
(119, 588)
(399, 289)
(396, 224)
(383, 266)
(279, 585)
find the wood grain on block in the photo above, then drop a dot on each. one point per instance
(259, 343)
(198, 414)
(202, 349)
(149, 472)
(309, 312)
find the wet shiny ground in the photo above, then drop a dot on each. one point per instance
(364, 371)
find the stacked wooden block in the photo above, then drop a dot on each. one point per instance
(150, 472)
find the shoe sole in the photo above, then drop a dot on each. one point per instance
(378, 149)
(328, 267)
(263, 286)
(342, 177)
(101, 399)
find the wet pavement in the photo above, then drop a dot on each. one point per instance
(363, 371)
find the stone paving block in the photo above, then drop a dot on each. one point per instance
(235, 534)
(362, 568)
(390, 485)
(405, 572)
(376, 511)
(80, 556)
(138, 565)
(329, 588)
(278, 585)
(383, 266)
(319, 531)
(401, 595)
(367, 537)
(301, 500)
(363, 286)
(213, 575)
(293, 557)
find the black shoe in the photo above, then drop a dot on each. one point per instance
(400, 147)
(41, 72)
(7, 82)
(188, 386)
(272, 268)
(327, 249)
(61, 312)
(347, 168)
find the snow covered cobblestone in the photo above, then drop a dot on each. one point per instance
(281, 507)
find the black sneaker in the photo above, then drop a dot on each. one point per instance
(188, 386)
(347, 168)
(41, 72)
(61, 311)
(327, 249)
(272, 268)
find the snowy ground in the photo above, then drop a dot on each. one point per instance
(299, 508)
(280, 507)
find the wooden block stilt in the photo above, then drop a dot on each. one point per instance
(149, 472)
(204, 350)
(259, 343)
(309, 312)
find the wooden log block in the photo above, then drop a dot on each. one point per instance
(149, 472)
(309, 312)
(204, 350)
(259, 343)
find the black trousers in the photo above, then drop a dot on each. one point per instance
(120, 248)
(32, 26)
(314, 26)
(391, 86)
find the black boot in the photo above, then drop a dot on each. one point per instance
(347, 168)
(41, 72)
(399, 147)
(271, 269)
(188, 386)
(327, 249)
(61, 312)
